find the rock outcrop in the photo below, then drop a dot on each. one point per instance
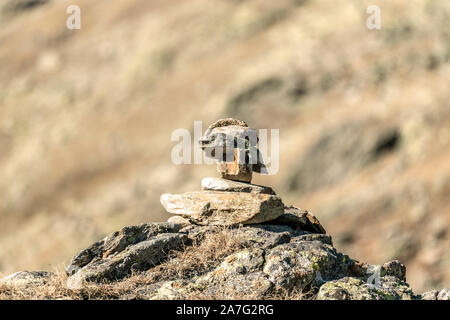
(270, 259)
(280, 249)
(258, 248)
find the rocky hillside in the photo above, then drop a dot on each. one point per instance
(86, 118)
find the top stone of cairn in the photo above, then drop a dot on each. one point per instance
(234, 146)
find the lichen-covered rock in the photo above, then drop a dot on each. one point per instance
(299, 219)
(182, 222)
(239, 276)
(136, 257)
(394, 268)
(391, 268)
(28, 278)
(444, 294)
(304, 264)
(261, 237)
(430, 295)
(223, 208)
(217, 184)
(350, 288)
(117, 242)
(325, 238)
(163, 290)
(265, 260)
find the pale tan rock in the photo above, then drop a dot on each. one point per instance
(179, 220)
(28, 278)
(223, 208)
(218, 184)
(227, 122)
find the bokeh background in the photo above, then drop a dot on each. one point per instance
(364, 116)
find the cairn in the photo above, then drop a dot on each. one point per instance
(232, 199)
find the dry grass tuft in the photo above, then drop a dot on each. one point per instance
(294, 294)
(202, 256)
(56, 289)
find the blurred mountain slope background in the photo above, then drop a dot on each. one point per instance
(86, 118)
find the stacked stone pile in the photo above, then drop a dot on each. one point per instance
(233, 200)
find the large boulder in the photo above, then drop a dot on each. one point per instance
(303, 264)
(239, 275)
(118, 242)
(223, 208)
(131, 249)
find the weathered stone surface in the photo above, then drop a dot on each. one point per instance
(178, 220)
(391, 268)
(28, 278)
(349, 288)
(217, 184)
(224, 136)
(394, 268)
(117, 242)
(231, 140)
(299, 219)
(304, 264)
(239, 276)
(260, 237)
(136, 257)
(269, 259)
(430, 295)
(237, 170)
(223, 208)
(444, 294)
(325, 238)
(197, 233)
(164, 290)
(226, 122)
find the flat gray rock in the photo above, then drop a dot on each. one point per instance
(218, 184)
(223, 208)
